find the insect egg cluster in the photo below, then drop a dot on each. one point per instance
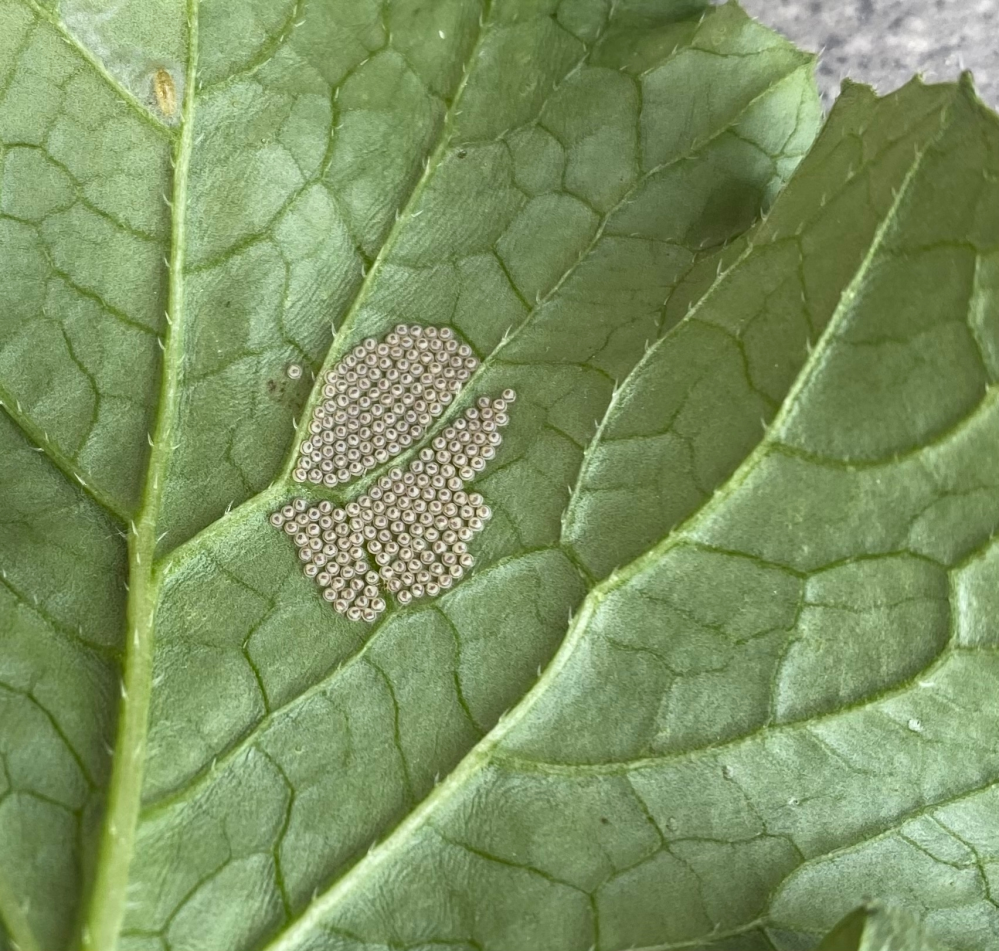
(409, 534)
(380, 399)
(331, 544)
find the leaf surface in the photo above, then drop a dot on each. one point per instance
(757, 474)
(876, 927)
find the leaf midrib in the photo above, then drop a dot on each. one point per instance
(101, 922)
(104, 911)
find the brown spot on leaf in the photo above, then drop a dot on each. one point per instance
(165, 92)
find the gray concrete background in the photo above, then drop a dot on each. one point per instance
(883, 42)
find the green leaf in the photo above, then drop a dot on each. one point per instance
(877, 927)
(759, 473)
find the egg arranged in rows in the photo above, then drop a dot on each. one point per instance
(409, 534)
(380, 400)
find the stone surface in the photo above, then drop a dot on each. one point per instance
(883, 42)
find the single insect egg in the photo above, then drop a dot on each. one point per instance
(165, 92)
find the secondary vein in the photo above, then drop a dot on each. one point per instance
(433, 162)
(40, 439)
